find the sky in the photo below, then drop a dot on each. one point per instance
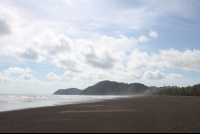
(46, 45)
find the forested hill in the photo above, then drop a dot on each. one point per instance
(115, 88)
(70, 91)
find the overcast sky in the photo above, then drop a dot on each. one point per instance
(47, 45)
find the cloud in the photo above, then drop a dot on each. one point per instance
(71, 30)
(187, 60)
(4, 28)
(27, 79)
(98, 56)
(16, 70)
(105, 61)
(154, 75)
(68, 74)
(46, 43)
(138, 61)
(153, 34)
(122, 43)
(157, 75)
(78, 54)
(30, 54)
(134, 75)
(52, 45)
(18, 32)
(53, 76)
(26, 76)
(8, 19)
(68, 63)
(135, 15)
(172, 58)
(26, 53)
(68, 55)
(4, 79)
(143, 39)
(175, 76)
(94, 75)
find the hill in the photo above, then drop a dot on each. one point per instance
(115, 88)
(70, 91)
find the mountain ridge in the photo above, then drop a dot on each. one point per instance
(115, 88)
(107, 87)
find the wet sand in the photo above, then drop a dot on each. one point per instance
(146, 114)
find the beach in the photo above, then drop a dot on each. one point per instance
(144, 114)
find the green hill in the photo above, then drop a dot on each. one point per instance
(70, 91)
(115, 88)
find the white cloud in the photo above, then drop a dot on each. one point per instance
(71, 30)
(16, 70)
(46, 43)
(68, 74)
(157, 75)
(134, 75)
(52, 45)
(26, 53)
(105, 53)
(175, 76)
(4, 28)
(187, 60)
(98, 56)
(122, 43)
(154, 75)
(94, 75)
(4, 79)
(26, 76)
(138, 61)
(143, 39)
(104, 59)
(7, 20)
(53, 76)
(153, 34)
(76, 55)
(27, 79)
(68, 62)
(16, 28)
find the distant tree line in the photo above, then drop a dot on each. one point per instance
(184, 91)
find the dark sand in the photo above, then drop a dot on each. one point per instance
(141, 114)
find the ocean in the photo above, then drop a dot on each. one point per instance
(16, 102)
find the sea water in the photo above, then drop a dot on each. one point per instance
(16, 102)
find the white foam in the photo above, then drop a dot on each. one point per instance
(14, 102)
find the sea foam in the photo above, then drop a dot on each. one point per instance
(16, 102)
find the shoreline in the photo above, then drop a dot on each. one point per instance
(57, 104)
(138, 114)
(58, 100)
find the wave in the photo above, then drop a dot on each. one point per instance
(15, 102)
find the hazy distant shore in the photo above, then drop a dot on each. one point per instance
(16, 102)
(139, 114)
